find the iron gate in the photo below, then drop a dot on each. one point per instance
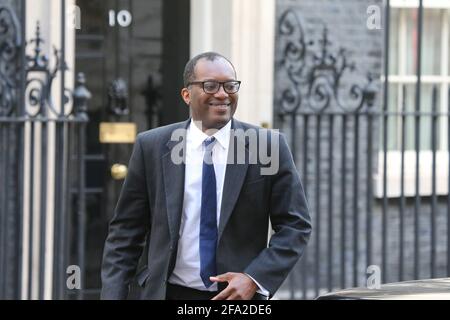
(41, 163)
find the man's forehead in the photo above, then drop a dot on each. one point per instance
(219, 65)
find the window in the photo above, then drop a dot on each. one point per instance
(403, 56)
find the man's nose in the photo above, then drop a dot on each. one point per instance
(221, 93)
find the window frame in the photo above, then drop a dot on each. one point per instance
(443, 80)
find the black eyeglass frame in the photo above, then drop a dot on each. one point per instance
(221, 83)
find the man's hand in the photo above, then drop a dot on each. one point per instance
(240, 286)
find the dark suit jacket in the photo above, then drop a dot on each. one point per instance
(149, 210)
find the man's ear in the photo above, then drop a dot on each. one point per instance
(186, 95)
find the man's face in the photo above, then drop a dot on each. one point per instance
(213, 110)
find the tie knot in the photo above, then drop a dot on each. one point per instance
(209, 142)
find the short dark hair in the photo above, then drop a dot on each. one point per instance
(188, 74)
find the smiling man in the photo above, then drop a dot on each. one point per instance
(204, 221)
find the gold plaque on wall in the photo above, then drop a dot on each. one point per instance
(117, 132)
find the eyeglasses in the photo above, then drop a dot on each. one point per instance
(212, 87)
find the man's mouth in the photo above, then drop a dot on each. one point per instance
(219, 105)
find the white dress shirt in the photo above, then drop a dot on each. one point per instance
(187, 267)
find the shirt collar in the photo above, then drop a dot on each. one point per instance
(197, 136)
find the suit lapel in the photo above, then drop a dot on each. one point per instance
(173, 175)
(234, 176)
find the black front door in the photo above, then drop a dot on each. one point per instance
(133, 54)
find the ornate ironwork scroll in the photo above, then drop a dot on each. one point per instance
(40, 76)
(316, 76)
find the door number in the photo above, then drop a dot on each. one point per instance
(123, 18)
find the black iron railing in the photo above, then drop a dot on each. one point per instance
(38, 137)
(339, 138)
